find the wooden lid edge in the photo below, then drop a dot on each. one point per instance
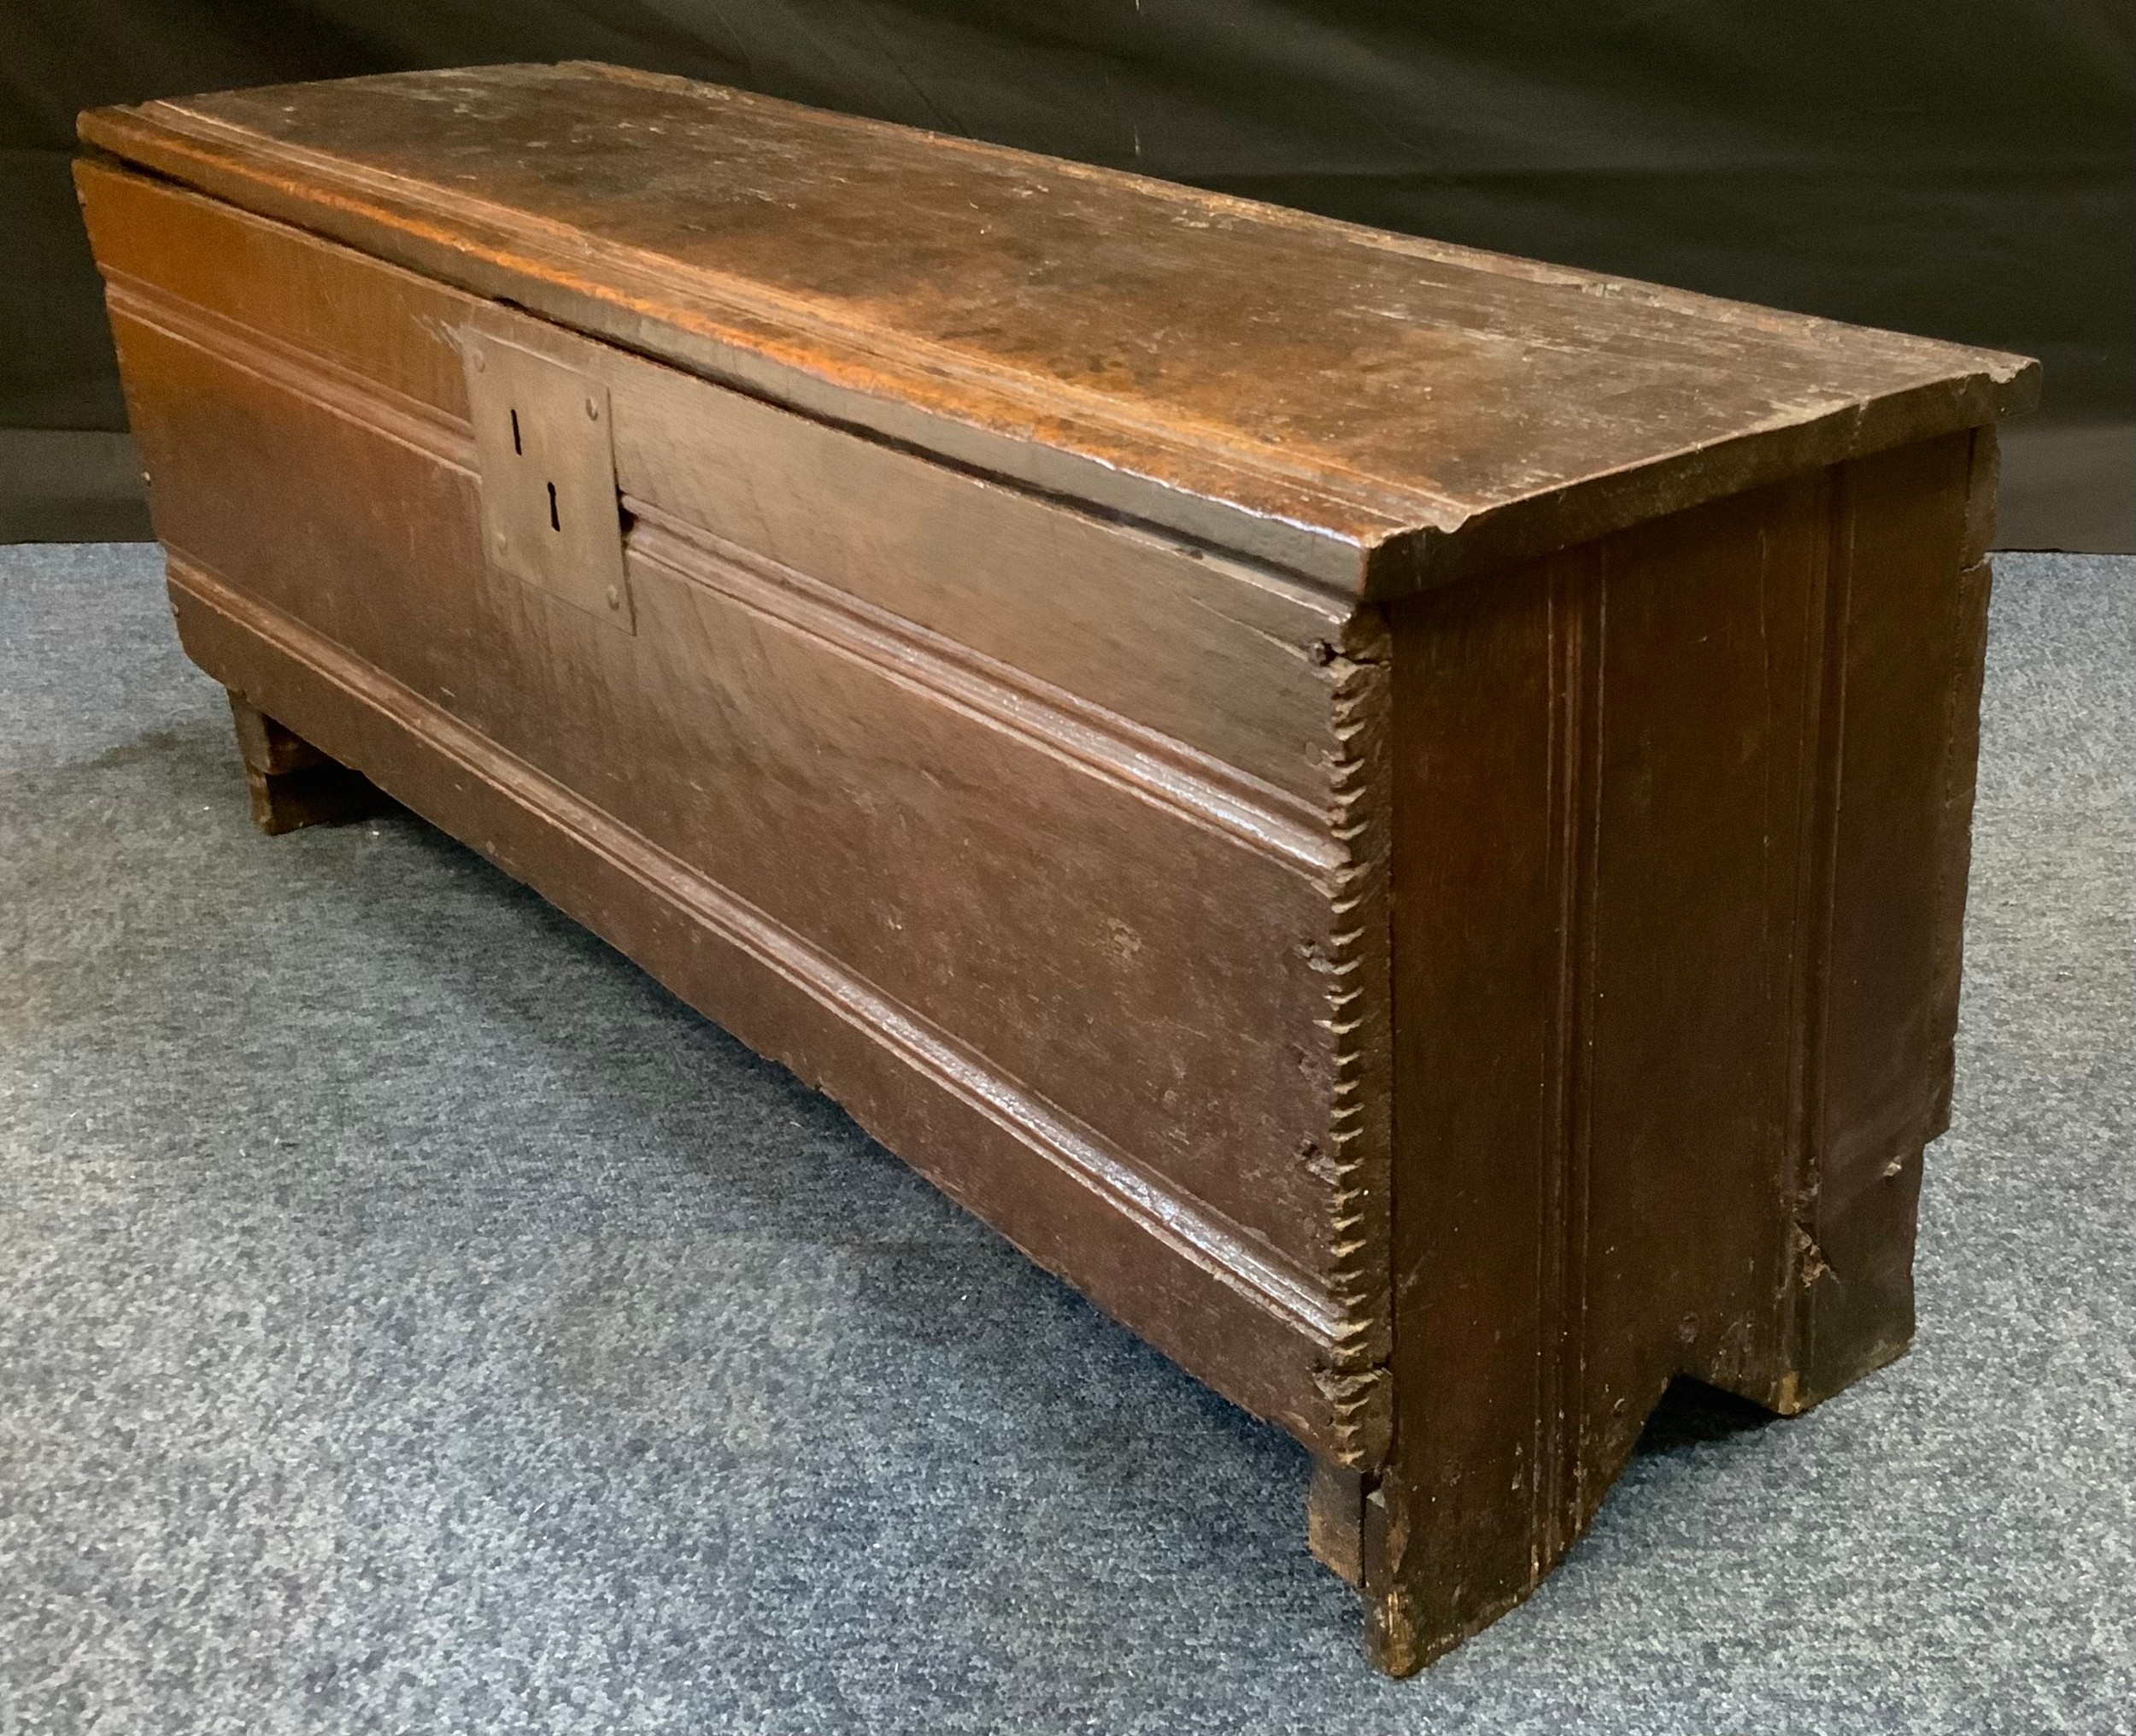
(1538, 525)
(1287, 523)
(1378, 548)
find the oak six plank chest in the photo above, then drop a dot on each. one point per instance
(1397, 816)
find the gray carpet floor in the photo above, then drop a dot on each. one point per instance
(412, 1319)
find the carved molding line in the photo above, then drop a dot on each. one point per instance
(317, 379)
(1190, 1231)
(1150, 765)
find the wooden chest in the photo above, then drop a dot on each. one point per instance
(1397, 816)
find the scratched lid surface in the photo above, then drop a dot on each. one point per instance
(1373, 410)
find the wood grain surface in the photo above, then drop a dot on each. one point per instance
(1397, 817)
(1375, 411)
(1126, 946)
(1680, 817)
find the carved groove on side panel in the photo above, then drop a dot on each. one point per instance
(1561, 1500)
(1961, 740)
(1954, 840)
(1824, 744)
(1354, 1159)
(1190, 1231)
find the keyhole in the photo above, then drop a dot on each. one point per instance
(553, 525)
(516, 447)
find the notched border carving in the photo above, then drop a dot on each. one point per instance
(1355, 1160)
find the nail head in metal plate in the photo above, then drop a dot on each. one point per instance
(548, 486)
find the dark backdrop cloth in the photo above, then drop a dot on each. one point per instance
(1960, 170)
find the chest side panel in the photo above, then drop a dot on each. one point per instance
(1679, 868)
(1077, 822)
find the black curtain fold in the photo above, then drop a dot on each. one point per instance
(1962, 171)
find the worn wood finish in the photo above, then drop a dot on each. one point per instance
(1397, 817)
(1681, 812)
(1113, 907)
(1375, 409)
(290, 782)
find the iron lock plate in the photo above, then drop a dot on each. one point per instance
(550, 515)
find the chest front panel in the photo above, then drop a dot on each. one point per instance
(1073, 817)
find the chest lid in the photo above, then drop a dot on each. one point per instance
(1372, 411)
